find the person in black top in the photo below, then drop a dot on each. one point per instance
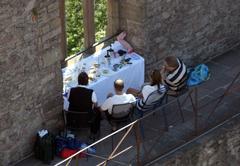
(84, 100)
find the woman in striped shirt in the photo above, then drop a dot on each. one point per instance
(174, 74)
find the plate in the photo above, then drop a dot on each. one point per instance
(68, 79)
(105, 72)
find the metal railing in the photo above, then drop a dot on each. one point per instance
(141, 153)
(133, 126)
(105, 40)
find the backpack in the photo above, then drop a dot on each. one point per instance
(198, 75)
(44, 148)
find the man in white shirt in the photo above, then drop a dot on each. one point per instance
(120, 97)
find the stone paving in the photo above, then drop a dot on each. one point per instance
(157, 141)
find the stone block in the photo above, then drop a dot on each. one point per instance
(5, 121)
(51, 34)
(52, 7)
(50, 57)
(21, 96)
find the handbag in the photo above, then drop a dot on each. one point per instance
(198, 75)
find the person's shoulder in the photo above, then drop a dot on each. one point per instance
(181, 62)
(87, 89)
(73, 89)
(90, 90)
(162, 88)
(148, 86)
(130, 96)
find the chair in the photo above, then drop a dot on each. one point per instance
(177, 96)
(153, 101)
(121, 114)
(75, 120)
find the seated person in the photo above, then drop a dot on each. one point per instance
(85, 100)
(148, 88)
(124, 43)
(119, 98)
(174, 73)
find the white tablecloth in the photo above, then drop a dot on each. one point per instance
(132, 74)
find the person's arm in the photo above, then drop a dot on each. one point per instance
(124, 43)
(133, 100)
(68, 94)
(94, 99)
(163, 74)
(105, 106)
(145, 92)
(133, 91)
(121, 36)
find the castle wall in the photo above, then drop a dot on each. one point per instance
(192, 30)
(30, 74)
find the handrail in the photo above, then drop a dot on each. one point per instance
(92, 46)
(132, 124)
(117, 131)
(192, 140)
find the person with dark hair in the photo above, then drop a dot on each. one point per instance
(83, 99)
(148, 88)
(174, 73)
(119, 98)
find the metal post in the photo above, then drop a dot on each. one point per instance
(195, 113)
(138, 142)
(196, 109)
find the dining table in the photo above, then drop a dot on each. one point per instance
(103, 68)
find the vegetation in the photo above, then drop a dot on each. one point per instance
(74, 23)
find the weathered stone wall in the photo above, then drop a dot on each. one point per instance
(193, 30)
(132, 19)
(218, 148)
(30, 74)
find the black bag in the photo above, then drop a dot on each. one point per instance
(44, 148)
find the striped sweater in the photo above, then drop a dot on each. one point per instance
(177, 79)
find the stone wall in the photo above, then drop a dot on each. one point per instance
(30, 79)
(193, 30)
(218, 148)
(132, 19)
(32, 38)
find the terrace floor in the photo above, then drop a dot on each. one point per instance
(156, 140)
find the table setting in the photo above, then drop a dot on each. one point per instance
(103, 68)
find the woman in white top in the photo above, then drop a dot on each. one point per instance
(154, 85)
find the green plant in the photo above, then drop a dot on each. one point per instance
(74, 23)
